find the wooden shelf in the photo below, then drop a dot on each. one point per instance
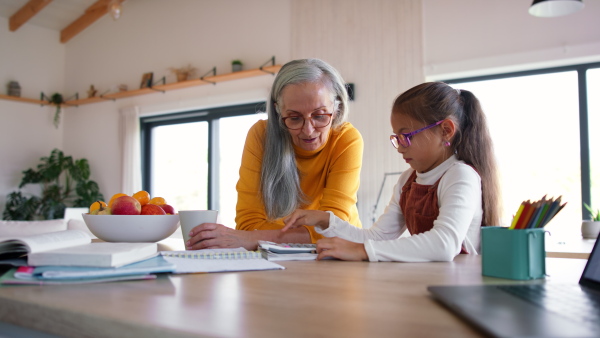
(159, 88)
(23, 99)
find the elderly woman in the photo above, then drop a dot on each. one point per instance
(305, 155)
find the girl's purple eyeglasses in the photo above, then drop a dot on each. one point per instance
(404, 138)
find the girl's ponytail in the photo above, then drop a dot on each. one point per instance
(475, 147)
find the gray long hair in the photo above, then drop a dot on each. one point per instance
(280, 177)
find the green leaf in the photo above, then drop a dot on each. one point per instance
(80, 171)
(30, 176)
(595, 215)
(53, 209)
(20, 208)
(53, 192)
(56, 98)
(88, 193)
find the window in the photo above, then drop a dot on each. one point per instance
(593, 88)
(539, 124)
(192, 159)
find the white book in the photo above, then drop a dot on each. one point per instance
(74, 248)
(22, 245)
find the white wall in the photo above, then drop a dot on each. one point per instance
(472, 37)
(32, 57)
(377, 45)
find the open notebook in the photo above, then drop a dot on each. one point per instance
(530, 310)
(218, 260)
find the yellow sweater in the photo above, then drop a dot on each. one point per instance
(330, 177)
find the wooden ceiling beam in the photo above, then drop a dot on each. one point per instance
(26, 12)
(92, 13)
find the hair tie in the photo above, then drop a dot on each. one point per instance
(458, 91)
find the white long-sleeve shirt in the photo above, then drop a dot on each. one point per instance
(458, 223)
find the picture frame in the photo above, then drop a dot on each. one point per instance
(146, 80)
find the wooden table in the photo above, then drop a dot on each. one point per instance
(308, 299)
(570, 247)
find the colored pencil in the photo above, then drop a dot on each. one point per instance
(542, 215)
(551, 211)
(536, 214)
(516, 218)
(525, 215)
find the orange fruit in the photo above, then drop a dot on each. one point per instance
(157, 201)
(142, 196)
(96, 205)
(115, 196)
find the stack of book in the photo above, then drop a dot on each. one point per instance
(70, 257)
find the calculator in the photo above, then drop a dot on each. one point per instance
(283, 248)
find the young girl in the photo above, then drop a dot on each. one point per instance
(450, 191)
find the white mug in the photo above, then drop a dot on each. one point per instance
(189, 219)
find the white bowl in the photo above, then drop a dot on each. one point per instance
(132, 228)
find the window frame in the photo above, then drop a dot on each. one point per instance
(584, 137)
(212, 116)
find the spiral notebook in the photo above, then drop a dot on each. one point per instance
(218, 260)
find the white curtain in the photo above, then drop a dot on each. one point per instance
(131, 152)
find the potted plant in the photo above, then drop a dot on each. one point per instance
(57, 100)
(236, 65)
(64, 182)
(591, 228)
(183, 73)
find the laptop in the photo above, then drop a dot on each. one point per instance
(530, 310)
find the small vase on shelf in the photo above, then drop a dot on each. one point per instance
(14, 89)
(236, 65)
(183, 73)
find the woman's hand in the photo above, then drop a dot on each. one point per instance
(302, 217)
(336, 247)
(213, 235)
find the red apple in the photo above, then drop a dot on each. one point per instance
(126, 205)
(151, 209)
(168, 209)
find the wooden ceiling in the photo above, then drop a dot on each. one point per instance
(33, 7)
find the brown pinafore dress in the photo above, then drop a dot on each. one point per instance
(419, 204)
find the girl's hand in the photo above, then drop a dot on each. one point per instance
(336, 247)
(302, 217)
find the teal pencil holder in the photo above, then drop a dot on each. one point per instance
(513, 254)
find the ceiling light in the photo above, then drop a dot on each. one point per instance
(114, 8)
(554, 8)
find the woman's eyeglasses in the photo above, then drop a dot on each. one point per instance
(296, 122)
(403, 139)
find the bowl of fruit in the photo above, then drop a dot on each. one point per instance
(135, 218)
